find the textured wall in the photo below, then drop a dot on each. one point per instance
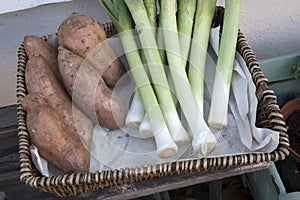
(272, 28)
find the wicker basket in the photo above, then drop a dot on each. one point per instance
(268, 116)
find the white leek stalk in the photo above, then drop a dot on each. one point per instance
(136, 112)
(203, 139)
(156, 70)
(203, 20)
(120, 16)
(221, 88)
(145, 128)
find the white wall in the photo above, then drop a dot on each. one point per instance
(7, 6)
(272, 28)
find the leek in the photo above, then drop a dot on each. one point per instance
(136, 112)
(160, 42)
(185, 21)
(145, 128)
(203, 139)
(119, 14)
(150, 6)
(156, 69)
(220, 94)
(203, 20)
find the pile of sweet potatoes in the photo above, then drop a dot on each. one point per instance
(68, 91)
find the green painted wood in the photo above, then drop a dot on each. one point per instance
(278, 68)
(266, 184)
(286, 91)
(281, 81)
(290, 196)
(261, 185)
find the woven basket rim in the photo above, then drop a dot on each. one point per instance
(72, 184)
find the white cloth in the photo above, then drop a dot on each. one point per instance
(114, 150)
(243, 104)
(125, 149)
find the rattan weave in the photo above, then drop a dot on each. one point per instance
(268, 116)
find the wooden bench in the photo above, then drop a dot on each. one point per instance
(12, 188)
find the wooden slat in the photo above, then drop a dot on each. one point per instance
(215, 190)
(278, 68)
(8, 117)
(173, 182)
(14, 189)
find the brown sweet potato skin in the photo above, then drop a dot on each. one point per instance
(36, 45)
(104, 60)
(89, 91)
(55, 142)
(81, 33)
(39, 78)
(32, 100)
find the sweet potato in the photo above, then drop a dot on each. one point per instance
(40, 79)
(82, 34)
(33, 100)
(36, 45)
(55, 142)
(89, 91)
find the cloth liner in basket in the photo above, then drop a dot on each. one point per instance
(268, 116)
